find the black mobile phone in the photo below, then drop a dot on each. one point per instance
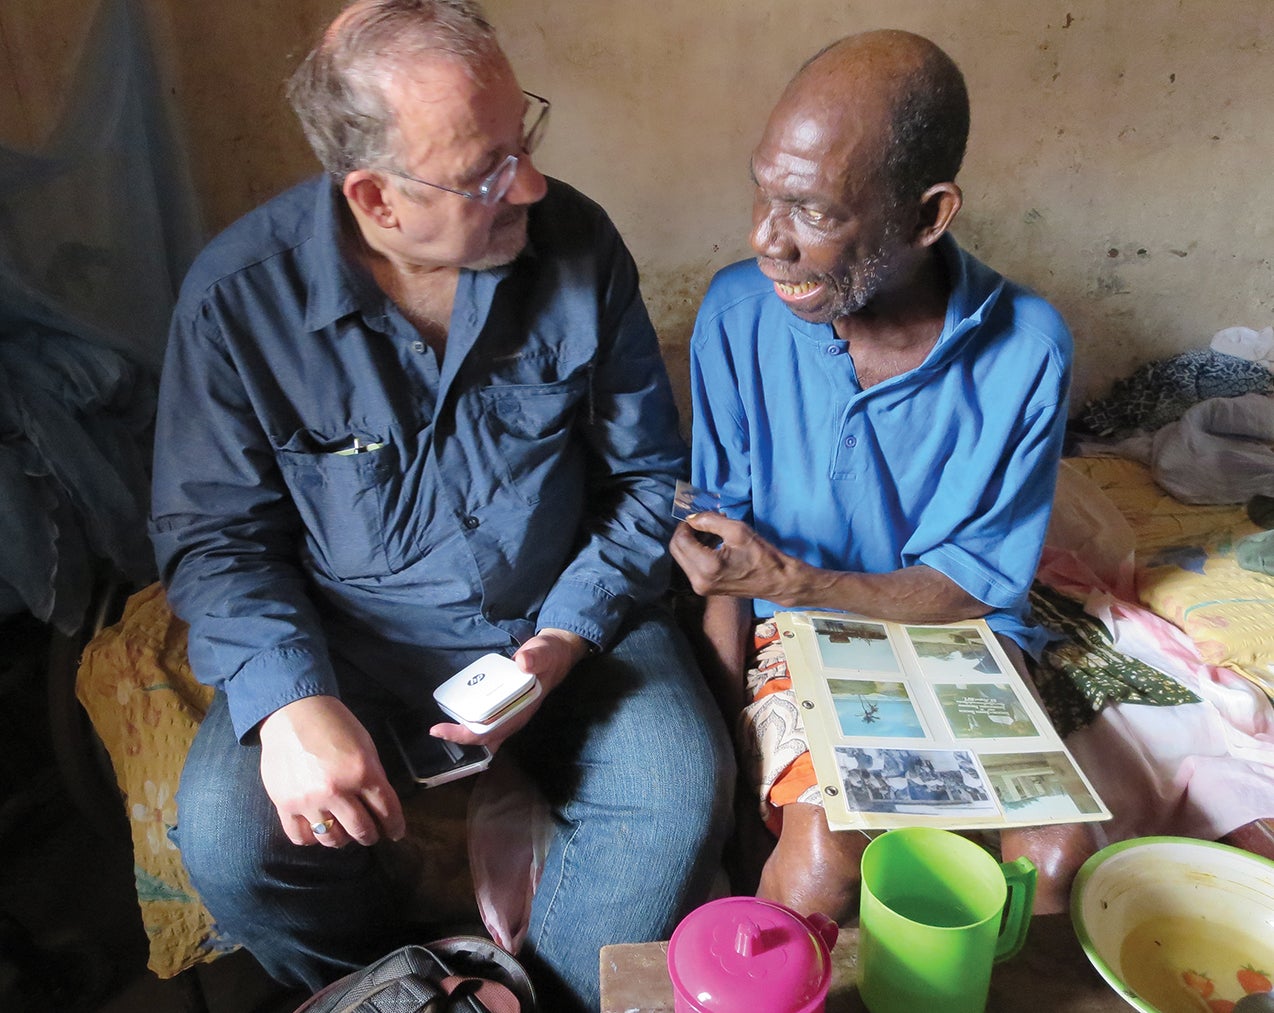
(431, 761)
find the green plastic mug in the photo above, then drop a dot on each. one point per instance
(937, 911)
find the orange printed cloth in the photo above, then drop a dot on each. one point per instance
(775, 750)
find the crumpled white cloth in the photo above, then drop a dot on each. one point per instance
(1246, 343)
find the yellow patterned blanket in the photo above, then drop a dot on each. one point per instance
(136, 684)
(145, 705)
(1186, 568)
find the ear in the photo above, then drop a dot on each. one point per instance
(370, 197)
(938, 208)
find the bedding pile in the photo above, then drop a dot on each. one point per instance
(1161, 578)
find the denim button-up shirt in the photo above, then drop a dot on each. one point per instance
(333, 507)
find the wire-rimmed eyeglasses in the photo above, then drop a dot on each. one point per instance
(493, 188)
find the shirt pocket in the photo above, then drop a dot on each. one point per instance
(529, 426)
(342, 499)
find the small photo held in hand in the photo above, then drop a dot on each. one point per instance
(688, 500)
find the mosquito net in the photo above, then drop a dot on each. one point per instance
(97, 228)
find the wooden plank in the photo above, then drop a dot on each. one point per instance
(1052, 964)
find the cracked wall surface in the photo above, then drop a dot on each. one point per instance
(1121, 160)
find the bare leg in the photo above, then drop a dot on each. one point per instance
(1058, 852)
(1256, 837)
(751, 844)
(813, 868)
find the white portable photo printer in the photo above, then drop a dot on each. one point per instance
(485, 694)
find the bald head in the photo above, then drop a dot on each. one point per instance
(902, 94)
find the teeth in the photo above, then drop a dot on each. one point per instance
(794, 290)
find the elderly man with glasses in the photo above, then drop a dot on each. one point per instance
(414, 412)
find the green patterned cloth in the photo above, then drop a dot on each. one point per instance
(1256, 552)
(1080, 671)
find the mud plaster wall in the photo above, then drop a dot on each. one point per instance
(1121, 160)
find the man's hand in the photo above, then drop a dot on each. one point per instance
(743, 565)
(549, 656)
(318, 763)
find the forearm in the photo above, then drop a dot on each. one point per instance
(635, 457)
(254, 629)
(744, 565)
(915, 594)
(727, 624)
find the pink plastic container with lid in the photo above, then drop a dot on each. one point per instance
(743, 954)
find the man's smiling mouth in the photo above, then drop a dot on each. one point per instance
(793, 291)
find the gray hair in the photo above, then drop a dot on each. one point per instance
(339, 92)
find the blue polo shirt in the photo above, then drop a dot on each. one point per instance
(335, 511)
(951, 464)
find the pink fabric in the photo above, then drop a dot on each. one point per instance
(510, 827)
(1194, 770)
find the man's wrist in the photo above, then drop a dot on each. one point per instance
(803, 585)
(581, 646)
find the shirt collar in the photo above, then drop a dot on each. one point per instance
(336, 286)
(975, 288)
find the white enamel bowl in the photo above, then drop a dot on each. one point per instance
(1177, 925)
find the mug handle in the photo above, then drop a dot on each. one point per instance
(1020, 878)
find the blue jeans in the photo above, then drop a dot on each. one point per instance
(633, 757)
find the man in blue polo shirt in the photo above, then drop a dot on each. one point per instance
(881, 413)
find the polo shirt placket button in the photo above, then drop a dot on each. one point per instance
(851, 442)
(471, 522)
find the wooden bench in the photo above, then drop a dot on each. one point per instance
(1050, 973)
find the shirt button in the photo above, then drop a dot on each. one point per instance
(471, 522)
(418, 347)
(833, 350)
(851, 442)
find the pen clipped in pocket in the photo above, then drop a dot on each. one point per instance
(357, 446)
(345, 493)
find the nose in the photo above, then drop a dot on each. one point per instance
(529, 184)
(769, 239)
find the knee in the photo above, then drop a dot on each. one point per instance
(1057, 852)
(687, 749)
(223, 863)
(225, 840)
(814, 868)
(704, 777)
(698, 799)
(686, 798)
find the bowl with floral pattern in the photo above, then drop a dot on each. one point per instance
(1177, 925)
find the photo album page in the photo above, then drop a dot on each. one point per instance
(926, 725)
